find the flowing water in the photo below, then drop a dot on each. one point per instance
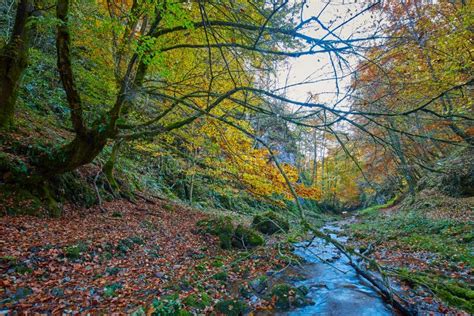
(334, 286)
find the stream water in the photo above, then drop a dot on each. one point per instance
(334, 286)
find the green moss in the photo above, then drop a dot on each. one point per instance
(270, 223)
(168, 306)
(200, 267)
(137, 240)
(111, 289)
(74, 188)
(200, 301)
(373, 210)
(168, 207)
(23, 269)
(9, 260)
(445, 237)
(282, 294)
(456, 294)
(11, 164)
(216, 226)
(217, 263)
(221, 276)
(75, 251)
(231, 307)
(259, 284)
(117, 214)
(221, 227)
(112, 270)
(246, 238)
(287, 296)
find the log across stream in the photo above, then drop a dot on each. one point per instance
(334, 285)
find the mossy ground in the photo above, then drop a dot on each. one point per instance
(427, 241)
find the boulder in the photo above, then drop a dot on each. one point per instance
(270, 223)
(245, 238)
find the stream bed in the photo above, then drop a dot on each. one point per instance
(334, 286)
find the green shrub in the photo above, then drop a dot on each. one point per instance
(270, 223)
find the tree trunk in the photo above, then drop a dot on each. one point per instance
(108, 168)
(314, 174)
(13, 62)
(404, 167)
(80, 151)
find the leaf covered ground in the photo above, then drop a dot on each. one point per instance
(90, 261)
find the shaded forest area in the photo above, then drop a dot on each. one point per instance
(167, 157)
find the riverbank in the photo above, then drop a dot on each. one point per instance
(426, 247)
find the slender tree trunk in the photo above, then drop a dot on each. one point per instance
(405, 168)
(323, 156)
(109, 166)
(314, 175)
(13, 62)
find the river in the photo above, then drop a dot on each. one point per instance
(335, 287)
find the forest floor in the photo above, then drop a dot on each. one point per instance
(122, 256)
(90, 261)
(427, 247)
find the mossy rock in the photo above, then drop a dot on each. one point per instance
(11, 167)
(245, 238)
(216, 226)
(221, 227)
(72, 187)
(231, 307)
(259, 284)
(287, 296)
(270, 223)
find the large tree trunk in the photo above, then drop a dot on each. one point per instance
(13, 62)
(80, 151)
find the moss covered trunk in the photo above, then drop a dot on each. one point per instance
(109, 166)
(80, 151)
(13, 62)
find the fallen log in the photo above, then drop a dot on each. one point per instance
(399, 303)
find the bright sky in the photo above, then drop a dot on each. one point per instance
(318, 67)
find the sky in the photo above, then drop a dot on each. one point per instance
(318, 67)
